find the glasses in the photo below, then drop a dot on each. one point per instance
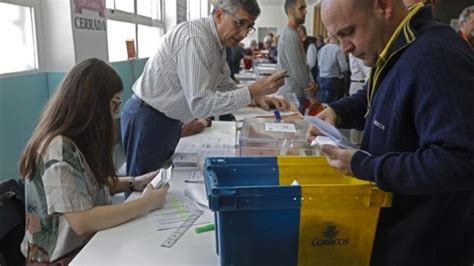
(115, 105)
(240, 23)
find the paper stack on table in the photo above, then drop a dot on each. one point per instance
(184, 161)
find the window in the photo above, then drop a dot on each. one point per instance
(140, 20)
(117, 33)
(198, 9)
(18, 49)
(146, 34)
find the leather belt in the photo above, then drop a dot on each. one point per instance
(358, 81)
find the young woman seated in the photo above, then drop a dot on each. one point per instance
(68, 168)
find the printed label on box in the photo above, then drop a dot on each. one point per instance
(280, 127)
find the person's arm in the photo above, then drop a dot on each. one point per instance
(140, 182)
(351, 110)
(68, 193)
(195, 126)
(440, 104)
(103, 217)
(201, 86)
(195, 64)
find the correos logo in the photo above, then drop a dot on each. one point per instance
(330, 233)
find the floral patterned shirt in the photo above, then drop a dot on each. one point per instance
(63, 183)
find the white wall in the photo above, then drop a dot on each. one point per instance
(58, 49)
(273, 15)
(170, 14)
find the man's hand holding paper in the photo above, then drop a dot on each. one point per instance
(327, 115)
(334, 145)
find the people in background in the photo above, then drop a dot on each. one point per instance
(291, 55)
(253, 49)
(466, 25)
(359, 76)
(276, 39)
(309, 44)
(187, 79)
(68, 168)
(319, 42)
(267, 51)
(234, 56)
(419, 122)
(333, 67)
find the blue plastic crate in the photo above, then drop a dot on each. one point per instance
(262, 220)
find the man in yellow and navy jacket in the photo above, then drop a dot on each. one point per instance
(418, 121)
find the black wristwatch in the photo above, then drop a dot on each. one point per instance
(131, 183)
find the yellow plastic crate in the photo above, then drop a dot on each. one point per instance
(330, 219)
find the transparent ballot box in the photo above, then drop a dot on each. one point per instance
(269, 137)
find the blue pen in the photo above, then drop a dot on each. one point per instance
(277, 116)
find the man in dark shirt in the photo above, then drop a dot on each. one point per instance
(418, 120)
(234, 55)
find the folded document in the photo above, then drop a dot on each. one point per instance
(332, 136)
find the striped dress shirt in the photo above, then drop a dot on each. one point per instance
(188, 77)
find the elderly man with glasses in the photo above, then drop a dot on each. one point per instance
(188, 78)
(466, 25)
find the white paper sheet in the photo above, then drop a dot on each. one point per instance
(197, 193)
(280, 127)
(175, 211)
(329, 131)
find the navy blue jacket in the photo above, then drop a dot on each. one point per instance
(420, 134)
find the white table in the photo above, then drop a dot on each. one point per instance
(137, 243)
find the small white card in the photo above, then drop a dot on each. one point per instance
(329, 131)
(280, 127)
(323, 140)
(161, 179)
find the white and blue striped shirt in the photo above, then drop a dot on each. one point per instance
(188, 77)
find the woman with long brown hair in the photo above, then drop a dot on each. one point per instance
(68, 167)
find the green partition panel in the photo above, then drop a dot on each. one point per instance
(21, 102)
(22, 99)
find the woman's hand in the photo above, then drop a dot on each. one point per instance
(157, 196)
(142, 181)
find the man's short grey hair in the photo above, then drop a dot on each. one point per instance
(464, 16)
(231, 6)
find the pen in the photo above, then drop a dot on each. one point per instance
(206, 228)
(194, 181)
(268, 74)
(277, 115)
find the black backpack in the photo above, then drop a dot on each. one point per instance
(12, 223)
